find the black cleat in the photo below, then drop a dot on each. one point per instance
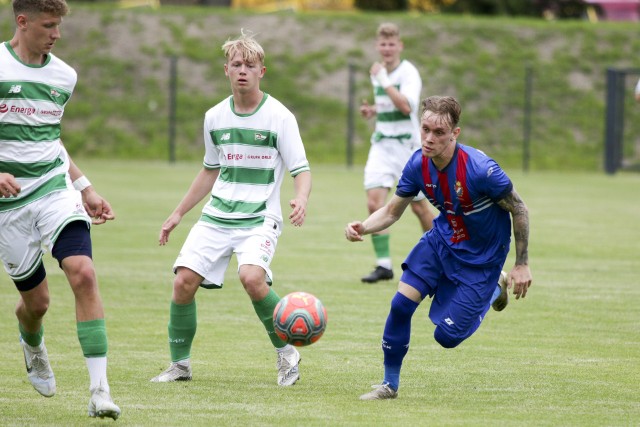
(380, 273)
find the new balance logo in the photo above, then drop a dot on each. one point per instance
(15, 89)
(225, 137)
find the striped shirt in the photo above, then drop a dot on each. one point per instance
(32, 101)
(391, 123)
(466, 192)
(252, 152)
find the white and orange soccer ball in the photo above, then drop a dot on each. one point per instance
(300, 319)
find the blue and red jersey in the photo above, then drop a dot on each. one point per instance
(471, 224)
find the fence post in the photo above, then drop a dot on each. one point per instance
(173, 87)
(351, 114)
(526, 144)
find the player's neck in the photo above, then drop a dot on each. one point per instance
(248, 102)
(26, 56)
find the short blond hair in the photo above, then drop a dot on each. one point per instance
(54, 7)
(447, 107)
(387, 29)
(246, 45)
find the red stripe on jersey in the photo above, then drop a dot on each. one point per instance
(462, 192)
(426, 176)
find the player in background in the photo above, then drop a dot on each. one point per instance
(45, 200)
(459, 261)
(396, 89)
(251, 140)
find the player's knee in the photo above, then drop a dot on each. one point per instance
(37, 309)
(445, 338)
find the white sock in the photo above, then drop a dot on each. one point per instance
(184, 362)
(384, 262)
(97, 372)
(286, 349)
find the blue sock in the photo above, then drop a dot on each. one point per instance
(395, 340)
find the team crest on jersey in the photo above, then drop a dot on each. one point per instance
(459, 190)
(260, 137)
(55, 93)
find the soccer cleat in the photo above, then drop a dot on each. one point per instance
(175, 372)
(287, 365)
(38, 368)
(101, 405)
(380, 392)
(501, 302)
(380, 273)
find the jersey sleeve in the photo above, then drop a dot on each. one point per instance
(497, 185)
(291, 147)
(411, 86)
(410, 182)
(211, 151)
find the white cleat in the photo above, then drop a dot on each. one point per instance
(101, 405)
(287, 365)
(380, 392)
(36, 360)
(501, 302)
(175, 372)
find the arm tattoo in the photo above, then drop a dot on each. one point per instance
(520, 214)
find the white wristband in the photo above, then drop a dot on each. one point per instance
(81, 183)
(383, 78)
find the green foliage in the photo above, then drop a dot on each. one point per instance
(566, 355)
(121, 103)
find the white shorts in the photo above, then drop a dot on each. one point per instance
(385, 163)
(208, 249)
(27, 231)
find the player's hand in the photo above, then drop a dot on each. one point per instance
(520, 278)
(375, 68)
(298, 213)
(98, 208)
(9, 186)
(167, 227)
(367, 111)
(354, 231)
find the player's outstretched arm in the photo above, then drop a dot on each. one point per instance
(520, 276)
(380, 220)
(199, 189)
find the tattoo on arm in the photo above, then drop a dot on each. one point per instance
(520, 214)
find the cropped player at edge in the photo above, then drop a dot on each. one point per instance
(251, 140)
(458, 262)
(46, 201)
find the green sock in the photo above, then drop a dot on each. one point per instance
(33, 340)
(264, 310)
(381, 245)
(182, 328)
(93, 338)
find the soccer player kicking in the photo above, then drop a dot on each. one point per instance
(251, 140)
(39, 207)
(459, 261)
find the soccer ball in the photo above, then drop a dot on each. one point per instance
(300, 319)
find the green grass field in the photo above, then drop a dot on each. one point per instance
(568, 354)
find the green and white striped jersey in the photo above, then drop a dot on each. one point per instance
(252, 152)
(32, 101)
(390, 122)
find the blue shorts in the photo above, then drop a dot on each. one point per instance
(461, 293)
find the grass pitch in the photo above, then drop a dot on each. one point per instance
(568, 354)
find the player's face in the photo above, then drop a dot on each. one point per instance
(244, 75)
(389, 49)
(437, 137)
(40, 31)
